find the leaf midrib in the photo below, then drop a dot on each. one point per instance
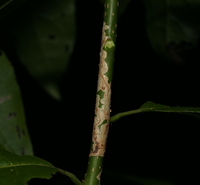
(29, 164)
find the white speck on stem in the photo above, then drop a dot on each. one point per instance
(98, 176)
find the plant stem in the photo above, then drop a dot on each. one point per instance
(102, 108)
(153, 107)
(73, 178)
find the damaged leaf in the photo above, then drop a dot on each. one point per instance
(13, 131)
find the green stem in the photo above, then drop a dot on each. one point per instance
(102, 108)
(73, 178)
(152, 107)
(122, 114)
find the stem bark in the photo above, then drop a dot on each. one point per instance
(102, 108)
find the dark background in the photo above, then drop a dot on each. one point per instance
(149, 145)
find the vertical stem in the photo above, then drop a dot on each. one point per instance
(102, 108)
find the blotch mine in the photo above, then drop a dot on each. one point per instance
(4, 98)
(22, 151)
(18, 131)
(11, 114)
(66, 48)
(23, 133)
(51, 37)
(63, 14)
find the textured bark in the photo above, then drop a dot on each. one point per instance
(102, 108)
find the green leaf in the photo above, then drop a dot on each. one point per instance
(173, 27)
(153, 107)
(13, 131)
(17, 170)
(44, 40)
